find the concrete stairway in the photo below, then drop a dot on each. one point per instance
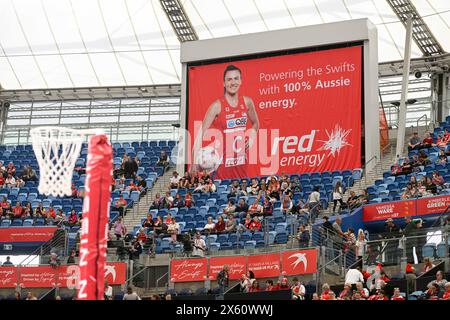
(140, 210)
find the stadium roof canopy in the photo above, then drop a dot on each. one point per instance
(90, 43)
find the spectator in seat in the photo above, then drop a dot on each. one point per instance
(119, 229)
(167, 201)
(357, 296)
(446, 295)
(440, 280)
(72, 220)
(189, 200)
(168, 219)
(30, 296)
(255, 209)
(157, 202)
(254, 287)
(148, 223)
(209, 226)
(397, 295)
(173, 229)
(269, 285)
(75, 191)
(129, 168)
(414, 142)
(178, 201)
(286, 205)
(255, 225)
(254, 188)
(346, 293)
(298, 290)
(17, 296)
(51, 215)
(17, 211)
(163, 160)
(2, 180)
(242, 208)
(247, 222)
(362, 291)
(326, 292)
(283, 284)
(433, 292)
(28, 211)
(442, 159)
(39, 211)
(427, 141)
(220, 225)
(231, 225)
(315, 296)
(141, 184)
(423, 158)
(160, 227)
(175, 180)
(303, 236)
(10, 181)
(352, 201)
(234, 189)
(20, 183)
(267, 209)
(8, 262)
(430, 186)
(438, 180)
(199, 246)
(428, 265)
(406, 166)
(142, 236)
(413, 181)
(380, 295)
(410, 192)
(11, 169)
(229, 209)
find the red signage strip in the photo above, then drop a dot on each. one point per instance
(188, 270)
(299, 262)
(64, 276)
(26, 234)
(434, 205)
(265, 265)
(237, 266)
(383, 211)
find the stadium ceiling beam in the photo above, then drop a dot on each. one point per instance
(92, 93)
(179, 20)
(434, 64)
(422, 35)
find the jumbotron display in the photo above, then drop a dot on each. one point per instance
(290, 113)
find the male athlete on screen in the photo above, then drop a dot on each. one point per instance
(230, 114)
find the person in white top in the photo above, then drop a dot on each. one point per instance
(298, 290)
(108, 291)
(337, 196)
(175, 180)
(314, 203)
(353, 276)
(199, 246)
(360, 247)
(209, 226)
(173, 229)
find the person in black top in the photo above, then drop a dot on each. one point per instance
(8, 262)
(163, 160)
(128, 168)
(148, 223)
(71, 258)
(223, 279)
(391, 231)
(241, 208)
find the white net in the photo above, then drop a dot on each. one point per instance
(57, 149)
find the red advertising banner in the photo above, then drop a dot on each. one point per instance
(264, 265)
(187, 270)
(289, 113)
(383, 211)
(21, 234)
(434, 205)
(65, 276)
(237, 266)
(299, 262)
(8, 277)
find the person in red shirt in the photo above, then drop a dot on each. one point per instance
(168, 219)
(11, 169)
(120, 204)
(220, 225)
(433, 291)
(346, 294)
(427, 141)
(255, 225)
(2, 180)
(325, 292)
(446, 295)
(17, 210)
(142, 237)
(5, 206)
(73, 218)
(269, 285)
(282, 284)
(396, 295)
(254, 287)
(188, 201)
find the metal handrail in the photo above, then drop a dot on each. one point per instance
(420, 118)
(136, 274)
(365, 167)
(160, 278)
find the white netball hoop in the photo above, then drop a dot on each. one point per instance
(57, 150)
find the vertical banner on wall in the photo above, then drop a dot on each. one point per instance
(299, 262)
(237, 266)
(264, 265)
(95, 219)
(187, 270)
(298, 112)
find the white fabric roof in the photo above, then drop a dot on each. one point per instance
(84, 43)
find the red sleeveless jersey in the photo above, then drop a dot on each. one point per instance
(233, 123)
